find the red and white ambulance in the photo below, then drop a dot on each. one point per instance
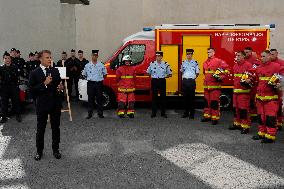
(173, 39)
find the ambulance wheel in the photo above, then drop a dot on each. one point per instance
(225, 101)
(108, 98)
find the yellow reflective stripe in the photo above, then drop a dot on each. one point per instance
(266, 97)
(211, 72)
(130, 112)
(245, 126)
(111, 75)
(127, 77)
(215, 117)
(264, 78)
(226, 71)
(120, 112)
(241, 90)
(212, 87)
(207, 115)
(238, 75)
(261, 134)
(253, 115)
(126, 90)
(236, 123)
(268, 136)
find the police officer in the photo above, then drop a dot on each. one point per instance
(159, 71)
(20, 63)
(95, 72)
(190, 72)
(63, 59)
(82, 60)
(73, 71)
(9, 78)
(31, 65)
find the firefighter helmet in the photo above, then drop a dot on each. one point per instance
(126, 58)
(274, 80)
(247, 80)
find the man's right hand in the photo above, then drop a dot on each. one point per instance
(48, 80)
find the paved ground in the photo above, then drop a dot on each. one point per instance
(139, 153)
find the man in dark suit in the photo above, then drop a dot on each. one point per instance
(45, 83)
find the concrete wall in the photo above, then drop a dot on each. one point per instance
(104, 23)
(32, 25)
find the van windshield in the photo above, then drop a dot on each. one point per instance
(136, 52)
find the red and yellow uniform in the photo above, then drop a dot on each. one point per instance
(241, 96)
(212, 87)
(125, 76)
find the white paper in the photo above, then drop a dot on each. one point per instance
(62, 71)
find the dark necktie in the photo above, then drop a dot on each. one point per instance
(47, 72)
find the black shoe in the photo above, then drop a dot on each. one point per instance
(57, 154)
(89, 116)
(130, 116)
(245, 131)
(257, 137)
(266, 141)
(153, 115)
(185, 115)
(38, 156)
(164, 115)
(205, 119)
(214, 122)
(101, 116)
(279, 128)
(233, 127)
(3, 120)
(121, 116)
(19, 118)
(191, 116)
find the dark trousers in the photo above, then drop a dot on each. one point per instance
(10, 92)
(158, 85)
(70, 82)
(41, 124)
(188, 86)
(95, 92)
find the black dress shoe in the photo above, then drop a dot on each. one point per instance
(57, 154)
(153, 115)
(191, 116)
(245, 131)
(214, 122)
(257, 137)
(3, 120)
(164, 115)
(233, 127)
(19, 118)
(101, 116)
(266, 141)
(205, 119)
(185, 116)
(89, 116)
(38, 157)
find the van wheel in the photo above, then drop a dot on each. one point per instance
(225, 101)
(108, 99)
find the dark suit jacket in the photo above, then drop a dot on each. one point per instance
(47, 97)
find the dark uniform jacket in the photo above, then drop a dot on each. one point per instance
(73, 67)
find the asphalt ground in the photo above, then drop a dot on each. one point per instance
(141, 153)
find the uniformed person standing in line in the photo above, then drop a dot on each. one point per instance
(159, 71)
(95, 73)
(63, 59)
(9, 87)
(190, 72)
(83, 61)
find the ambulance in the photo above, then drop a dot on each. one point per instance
(173, 40)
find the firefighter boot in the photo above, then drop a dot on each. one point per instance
(245, 131)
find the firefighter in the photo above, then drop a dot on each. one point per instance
(125, 76)
(276, 59)
(267, 98)
(252, 58)
(190, 71)
(241, 96)
(95, 72)
(159, 71)
(214, 70)
(9, 87)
